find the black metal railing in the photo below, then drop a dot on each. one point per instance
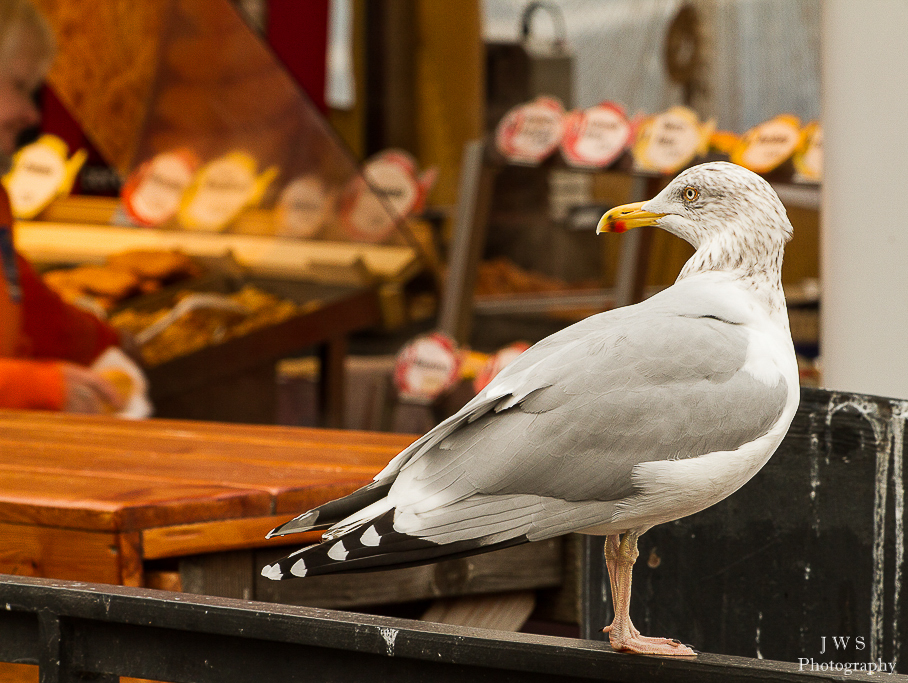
(78, 631)
(806, 561)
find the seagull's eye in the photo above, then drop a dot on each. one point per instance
(690, 194)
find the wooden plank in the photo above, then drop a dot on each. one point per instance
(59, 553)
(296, 473)
(81, 209)
(18, 673)
(227, 575)
(36, 479)
(254, 437)
(500, 611)
(274, 445)
(197, 468)
(118, 503)
(272, 256)
(209, 537)
(132, 571)
(529, 566)
(105, 474)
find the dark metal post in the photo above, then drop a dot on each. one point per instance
(595, 610)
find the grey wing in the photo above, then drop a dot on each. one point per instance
(496, 396)
(560, 433)
(499, 392)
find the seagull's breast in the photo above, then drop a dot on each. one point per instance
(671, 489)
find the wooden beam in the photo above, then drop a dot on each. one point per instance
(533, 565)
(499, 611)
(208, 537)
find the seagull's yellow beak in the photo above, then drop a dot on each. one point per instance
(625, 217)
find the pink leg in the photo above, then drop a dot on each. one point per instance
(612, 543)
(623, 635)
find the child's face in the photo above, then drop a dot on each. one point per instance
(17, 110)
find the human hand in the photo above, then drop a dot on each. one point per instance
(130, 346)
(85, 391)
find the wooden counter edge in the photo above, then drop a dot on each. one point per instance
(208, 537)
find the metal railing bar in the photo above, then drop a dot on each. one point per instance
(114, 630)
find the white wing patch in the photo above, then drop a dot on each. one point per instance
(273, 572)
(338, 552)
(370, 537)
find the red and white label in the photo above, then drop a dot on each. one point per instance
(304, 207)
(152, 193)
(427, 367)
(389, 190)
(530, 132)
(596, 137)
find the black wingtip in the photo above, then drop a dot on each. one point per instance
(305, 522)
(332, 512)
(374, 546)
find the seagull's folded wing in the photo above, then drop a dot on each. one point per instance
(559, 436)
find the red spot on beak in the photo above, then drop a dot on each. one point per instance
(619, 227)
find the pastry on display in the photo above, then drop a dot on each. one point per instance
(203, 327)
(106, 285)
(121, 277)
(155, 264)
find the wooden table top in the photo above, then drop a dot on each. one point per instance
(111, 475)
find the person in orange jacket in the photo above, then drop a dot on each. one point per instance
(45, 343)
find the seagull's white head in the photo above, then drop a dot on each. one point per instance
(731, 216)
(706, 200)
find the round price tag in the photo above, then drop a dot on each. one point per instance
(152, 192)
(596, 137)
(221, 190)
(766, 147)
(389, 189)
(304, 207)
(40, 173)
(669, 141)
(427, 367)
(530, 132)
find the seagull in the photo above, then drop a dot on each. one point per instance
(630, 418)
